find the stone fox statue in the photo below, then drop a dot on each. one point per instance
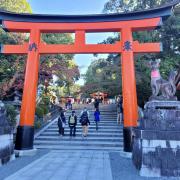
(158, 84)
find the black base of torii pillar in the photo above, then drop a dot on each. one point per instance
(128, 138)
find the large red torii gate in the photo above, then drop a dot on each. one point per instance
(125, 23)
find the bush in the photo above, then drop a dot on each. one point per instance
(45, 109)
(46, 100)
(37, 124)
(11, 114)
(39, 112)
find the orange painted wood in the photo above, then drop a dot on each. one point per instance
(64, 49)
(80, 38)
(15, 49)
(80, 47)
(128, 82)
(31, 81)
(146, 47)
(88, 27)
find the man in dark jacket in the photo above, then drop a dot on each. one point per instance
(72, 123)
(61, 123)
(119, 109)
(96, 103)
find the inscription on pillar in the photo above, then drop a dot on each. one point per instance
(127, 46)
(32, 46)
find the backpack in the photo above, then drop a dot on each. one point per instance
(84, 121)
(84, 118)
(72, 120)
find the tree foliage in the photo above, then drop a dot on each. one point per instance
(168, 34)
(103, 75)
(12, 67)
(117, 6)
(19, 6)
(61, 66)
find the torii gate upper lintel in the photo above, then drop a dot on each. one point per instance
(125, 23)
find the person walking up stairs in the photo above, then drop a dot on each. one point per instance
(97, 117)
(84, 120)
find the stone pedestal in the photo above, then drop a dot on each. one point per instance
(6, 140)
(30, 152)
(156, 147)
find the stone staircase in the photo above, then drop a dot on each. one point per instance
(108, 137)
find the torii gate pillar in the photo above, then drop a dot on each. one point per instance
(25, 130)
(128, 88)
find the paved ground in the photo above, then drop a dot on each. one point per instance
(72, 165)
(75, 165)
(19, 163)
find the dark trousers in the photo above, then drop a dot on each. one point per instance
(61, 131)
(96, 125)
(72, 130)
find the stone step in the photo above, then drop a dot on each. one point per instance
(114, 123)
(92, 127)
(82, 142)
(89, 131)
(80, 134)
(109, 120)
(68, 138)
(92, 112)
(94, 134)
(67, 129)
(61, 147)
(101, 117)
(79, 129)
(109, 137)
(110, 123)
(92, 115)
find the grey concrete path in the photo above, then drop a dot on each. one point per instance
(76, 165)
(17, 164)
(73, 165)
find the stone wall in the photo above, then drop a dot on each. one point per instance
(156, 147)
(6, 140)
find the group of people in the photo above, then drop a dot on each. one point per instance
(68, 104)
(84, 120)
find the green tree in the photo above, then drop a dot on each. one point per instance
(19, 6)
(103, 75)
(168, 35)
(12, 66)
(60, 65)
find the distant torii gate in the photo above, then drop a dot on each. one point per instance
(125, 23)
(99, 95)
